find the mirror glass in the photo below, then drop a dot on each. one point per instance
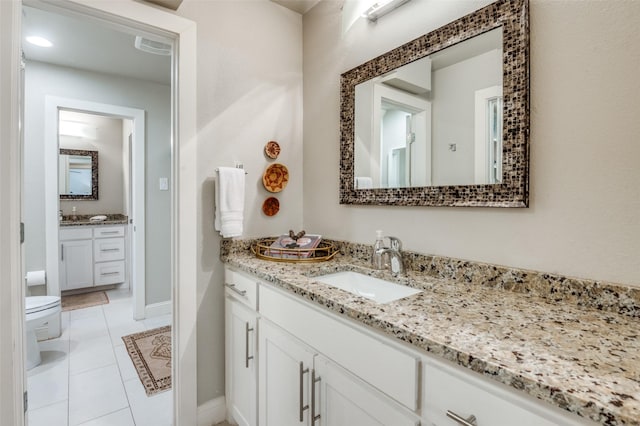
(435, 121)
(442, 120)
(78, 174)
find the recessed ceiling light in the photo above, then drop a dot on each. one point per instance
(39, 41)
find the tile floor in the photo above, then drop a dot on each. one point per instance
(86, 376)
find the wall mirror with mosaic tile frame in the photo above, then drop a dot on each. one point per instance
(459, 99)
(78, 174)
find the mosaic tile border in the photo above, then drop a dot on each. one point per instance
(593, 294)
(94, 174)
(513, 16)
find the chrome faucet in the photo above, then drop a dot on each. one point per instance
(389, 257)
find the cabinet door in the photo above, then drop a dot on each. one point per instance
(344, 400)
(285, 366)
(76, 264)
(241, 369)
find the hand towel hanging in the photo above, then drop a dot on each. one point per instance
(229, 199)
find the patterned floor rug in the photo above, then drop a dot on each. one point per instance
(84, 300)
(150, 352)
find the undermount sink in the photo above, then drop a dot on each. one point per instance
(380, 291)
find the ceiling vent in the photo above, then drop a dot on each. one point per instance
(152, 46)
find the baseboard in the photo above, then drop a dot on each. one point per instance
(212, 412)
(157, 309)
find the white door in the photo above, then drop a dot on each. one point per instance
(76, 264)
(344, 400)
(285, 366)
(241, 368)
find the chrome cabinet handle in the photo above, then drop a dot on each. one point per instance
(109, 273)
(62, 252)
(469, 421)
(314, 380)
(109, 232)
(233, 287)
(111, 249)
(246, 345)
(303, 371)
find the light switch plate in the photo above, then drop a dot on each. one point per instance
(164, 184)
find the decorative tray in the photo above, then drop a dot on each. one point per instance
(263, 249)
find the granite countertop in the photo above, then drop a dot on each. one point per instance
(83, 220)
(581, 359)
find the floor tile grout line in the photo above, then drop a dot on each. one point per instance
(113, 348)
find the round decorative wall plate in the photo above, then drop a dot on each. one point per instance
(272, 149)
(271, 206)
(275, 178)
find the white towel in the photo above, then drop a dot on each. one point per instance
(364, 182)
(229, 199)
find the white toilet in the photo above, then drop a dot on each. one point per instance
(39, 310)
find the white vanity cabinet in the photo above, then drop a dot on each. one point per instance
(286, 365)
(92, 256)
(316, 368)
(345, 400)
(109, 255)
(241, 348)
(76, 258)
(452, 391)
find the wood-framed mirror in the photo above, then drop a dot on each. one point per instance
(78, 174)
(460, 98)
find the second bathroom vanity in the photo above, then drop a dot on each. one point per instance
(93, 253)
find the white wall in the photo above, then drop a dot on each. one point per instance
(453, 114)
(42, 80)
(108, 143)
(249, 92)
(585, 181)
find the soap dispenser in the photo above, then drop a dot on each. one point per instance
(377, 258)
(74, 214)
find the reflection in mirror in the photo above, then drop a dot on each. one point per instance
(78, 174)
(442, 120)
(436, 121)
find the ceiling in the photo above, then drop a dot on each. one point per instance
(91, 45)
(300, 6)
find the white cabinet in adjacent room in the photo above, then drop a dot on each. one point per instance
(76, 264)
(92, 256)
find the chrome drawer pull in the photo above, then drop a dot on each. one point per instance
(233, 287)
(111, 249)
(314, 380)
(303, 371)
(246, 345)
(109, 273)
(469, 421)
(109, 232)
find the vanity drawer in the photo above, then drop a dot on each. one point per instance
(242, 287)
(458, 390)
(76, 233)
(385, 366)
(109, 273)
(108, 231)
(108, 249)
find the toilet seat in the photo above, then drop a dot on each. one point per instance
(35, 304)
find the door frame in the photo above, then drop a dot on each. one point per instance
(125, 14)
(53, 104)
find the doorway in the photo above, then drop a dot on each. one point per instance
(183, 201)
